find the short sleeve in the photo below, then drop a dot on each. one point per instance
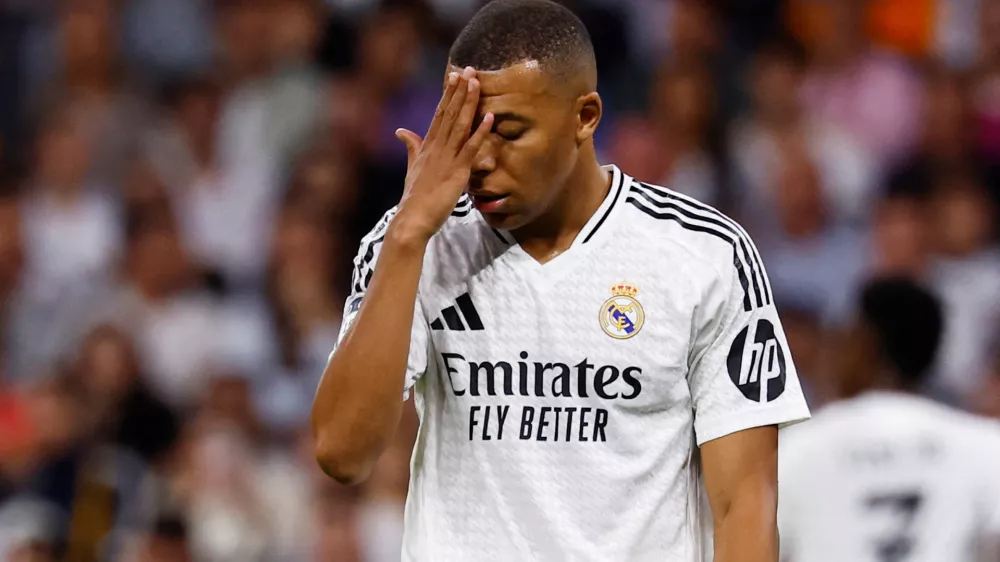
(364, 269)
(741, 374)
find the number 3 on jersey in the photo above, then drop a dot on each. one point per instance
(897, 542)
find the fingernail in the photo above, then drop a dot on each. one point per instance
(473, 84)
(453, 78)
(468, 73)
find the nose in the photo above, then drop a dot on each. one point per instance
(485, 161)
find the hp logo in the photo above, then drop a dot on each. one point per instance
(756, 362)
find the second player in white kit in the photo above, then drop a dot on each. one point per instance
(888, 475)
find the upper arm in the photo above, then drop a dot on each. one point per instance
(745, 465)
(741, 374)
(364, 268)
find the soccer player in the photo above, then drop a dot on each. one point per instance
(591, 356)
(888, 476)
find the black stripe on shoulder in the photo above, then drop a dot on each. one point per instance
(463, 207)
(363, 263)
(704, 209)
(695, 210)
(363, 268)
(642, 205)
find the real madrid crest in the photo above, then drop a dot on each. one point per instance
(621, 315)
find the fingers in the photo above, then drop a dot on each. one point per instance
(455, 105)
(449, 91)
(412, 142)
(463, 123)
(475, 142)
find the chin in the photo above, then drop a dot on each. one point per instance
(504, 221)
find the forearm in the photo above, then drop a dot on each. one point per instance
(747, 530)
(359, 400)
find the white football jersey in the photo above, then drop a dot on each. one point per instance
(561, 403)
(889, 477)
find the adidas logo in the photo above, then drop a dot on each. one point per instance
(453, 316)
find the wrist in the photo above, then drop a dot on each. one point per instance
(401, 235)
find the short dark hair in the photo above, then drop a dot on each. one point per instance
(908, 321)
(508, 32)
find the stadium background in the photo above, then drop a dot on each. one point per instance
(184, 184)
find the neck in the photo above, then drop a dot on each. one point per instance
(581, 195)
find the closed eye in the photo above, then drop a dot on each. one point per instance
(509, 135)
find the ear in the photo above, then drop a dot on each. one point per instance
(589, 109)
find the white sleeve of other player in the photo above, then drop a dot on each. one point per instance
(990, 540)
(364, 268)
(741, 374)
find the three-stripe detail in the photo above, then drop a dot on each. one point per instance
(695, 216)
(453, 317)
(363, 267)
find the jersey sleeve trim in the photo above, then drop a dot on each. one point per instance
(363, 264)
(664, 204)
(732, 422)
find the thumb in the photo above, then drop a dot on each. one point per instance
(412, 142)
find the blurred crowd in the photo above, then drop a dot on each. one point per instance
(183, 185)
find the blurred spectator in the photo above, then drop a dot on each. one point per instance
(846, 173)
(306, 315)
(216, 479)
(337, 527)
(947, 135)
(161, 303)
(167, 541)
(72, 229)
(87, 80)
(946, 239)
(945, 29)
(114, 390)
(89, 494)
(986, 93)
(870, 94)
(669, 146)
(812, 259)
(962, 219)
(71, 240)
(901, 242)
(168, 39)
(11, 268)
(383, 92)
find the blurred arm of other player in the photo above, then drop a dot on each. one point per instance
(744, 386)
(358, 403)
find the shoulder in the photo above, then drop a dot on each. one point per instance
(458, 241)
(699, 227)
(701, 233)
(461, 219)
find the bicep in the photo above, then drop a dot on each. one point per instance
(742, 465)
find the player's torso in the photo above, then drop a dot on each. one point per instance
(558, 393)
(901, 481)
